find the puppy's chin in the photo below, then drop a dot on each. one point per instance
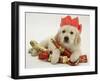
(65, 45)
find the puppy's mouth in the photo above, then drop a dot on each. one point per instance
(66, 39)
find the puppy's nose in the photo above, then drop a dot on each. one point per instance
(66, 39)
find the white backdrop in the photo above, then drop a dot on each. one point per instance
(40, 26)
(5, 44)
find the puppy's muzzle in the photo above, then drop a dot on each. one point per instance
(66, 39)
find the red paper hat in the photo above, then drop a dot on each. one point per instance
(69, 21)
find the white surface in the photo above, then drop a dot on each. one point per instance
(37, 25)
(40, 26)
(5, 34)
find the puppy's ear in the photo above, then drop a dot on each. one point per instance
(77, 39)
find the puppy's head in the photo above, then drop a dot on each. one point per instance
(68, 36)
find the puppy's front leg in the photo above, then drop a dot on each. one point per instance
(55, 53)
(55, 56)
(75, 56)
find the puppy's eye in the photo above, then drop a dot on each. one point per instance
(71, 33)
(63, 31)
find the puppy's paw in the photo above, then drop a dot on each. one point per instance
(75, 56)
(33, 52)
(55, 56)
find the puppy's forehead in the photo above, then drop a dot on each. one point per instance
(69, 28)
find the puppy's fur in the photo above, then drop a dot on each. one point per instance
(68, 37)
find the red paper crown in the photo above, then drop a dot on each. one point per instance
(69, 21)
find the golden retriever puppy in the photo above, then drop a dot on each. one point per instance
(68, 37)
